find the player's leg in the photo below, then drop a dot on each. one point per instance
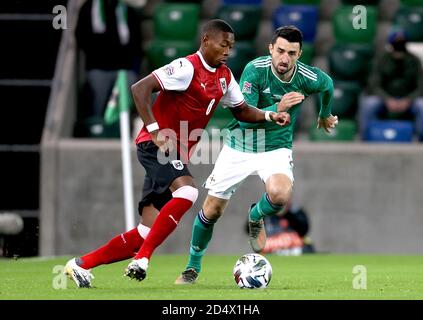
(120, 247)
(202, 231)
(231, 168)
(173, 175)
(276, 173)
(184, 196)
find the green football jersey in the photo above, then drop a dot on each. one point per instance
(263, 89)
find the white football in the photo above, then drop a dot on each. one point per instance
(252, 271)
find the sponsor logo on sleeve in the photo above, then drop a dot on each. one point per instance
(246, 87)
(169, 70)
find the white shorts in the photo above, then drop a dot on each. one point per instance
(233, 166)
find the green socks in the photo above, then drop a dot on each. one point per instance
(264, 208)
(202, 231)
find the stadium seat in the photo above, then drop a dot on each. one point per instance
(247, 2)
(412, 3)
(400, 131)
(176, 21)
(345, 131)
(161, 52)
(308, 52)
(363, 2)
(244, 20)
(343, 26)
(350, 62)
(411, 20)
(243, 52)
(304, 17)
(345, 99)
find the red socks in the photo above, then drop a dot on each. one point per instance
(121, 247)
(165, 223)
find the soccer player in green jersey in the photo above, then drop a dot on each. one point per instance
(277, 82)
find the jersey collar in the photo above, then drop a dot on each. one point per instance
(293, 74)
(211, 69)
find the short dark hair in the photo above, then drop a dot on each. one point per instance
(290, 33)
(217, 25)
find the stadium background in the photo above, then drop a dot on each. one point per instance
(362, 197)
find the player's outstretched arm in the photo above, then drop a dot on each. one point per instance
(328, 123)
(246, 113)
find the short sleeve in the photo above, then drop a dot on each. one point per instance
(233, 97)
(176, 75)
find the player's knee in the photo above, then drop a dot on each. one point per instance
(279, 196)
(186, 192)
(213, 212)
(213, 207)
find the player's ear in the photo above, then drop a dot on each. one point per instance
(270, 48)
(300, 53)
(205, 39)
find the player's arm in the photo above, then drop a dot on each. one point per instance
(246, 113)
(242, 103)
(326, 120)
(142, 91)
(175, 76)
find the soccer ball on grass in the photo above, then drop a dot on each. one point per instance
(252, 271)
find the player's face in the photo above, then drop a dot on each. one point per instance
(284, 55)
(218, 47)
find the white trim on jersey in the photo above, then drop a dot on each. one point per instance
(307, 73)
(176, 75)
(233, 97)
(205, 63)
(262, 63)
(292, 78)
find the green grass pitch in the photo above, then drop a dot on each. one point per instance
(305, 277)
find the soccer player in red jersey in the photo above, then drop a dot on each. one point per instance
(190, 89)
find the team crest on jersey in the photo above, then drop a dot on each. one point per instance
(223, 85)
(177, 164)
(246, 88)
(169, 70)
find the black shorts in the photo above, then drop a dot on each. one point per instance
(158, 176)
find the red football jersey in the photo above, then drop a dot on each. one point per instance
(191, 90)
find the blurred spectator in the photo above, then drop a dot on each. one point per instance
(109, 34)
(395, 86)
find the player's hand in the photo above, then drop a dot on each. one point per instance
(164, 143)
(281, 118)
(328, 123)
(289, 100)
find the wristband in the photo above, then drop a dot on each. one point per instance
(152, 127)
(267, 116)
